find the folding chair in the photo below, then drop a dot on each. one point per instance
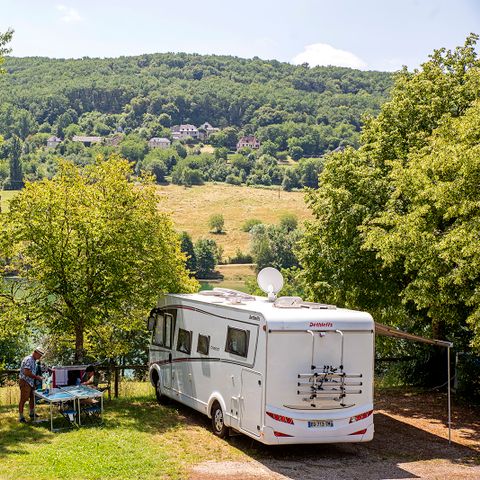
(69, 414)
(91, 415)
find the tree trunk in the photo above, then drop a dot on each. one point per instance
(79, 344)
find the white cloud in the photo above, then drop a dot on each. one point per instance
(69, 14)
(324, 54)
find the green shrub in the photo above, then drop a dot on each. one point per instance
(240, 257)
(249, 224)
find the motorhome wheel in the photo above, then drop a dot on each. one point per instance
(161, 399)
(218, 425)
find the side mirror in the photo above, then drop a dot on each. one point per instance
(151, 323)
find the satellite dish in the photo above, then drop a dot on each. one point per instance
(270, 280)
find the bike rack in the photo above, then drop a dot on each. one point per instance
(328, 382)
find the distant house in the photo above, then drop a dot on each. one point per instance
(183, 131)
(53, 141)
(157, 142)
(205, 130)
(87, 141)
(248, 141)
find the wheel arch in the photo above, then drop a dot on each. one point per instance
(153, 373)
(216, 397)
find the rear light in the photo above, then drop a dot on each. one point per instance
(280, 434)
(357, 418)
(281, 418)
(360, 432)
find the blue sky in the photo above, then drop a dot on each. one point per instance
(366, 34)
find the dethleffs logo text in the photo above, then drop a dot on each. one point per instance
(321, 324)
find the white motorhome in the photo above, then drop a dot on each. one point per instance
(282, 372)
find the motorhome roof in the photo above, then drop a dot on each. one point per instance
(303, 317)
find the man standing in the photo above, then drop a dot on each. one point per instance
(27, 383)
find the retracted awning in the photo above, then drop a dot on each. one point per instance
(387, 331)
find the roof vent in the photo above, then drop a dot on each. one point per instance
(233, 296)
(297, 302)
(288, 302)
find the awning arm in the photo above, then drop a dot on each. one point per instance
(387, 331)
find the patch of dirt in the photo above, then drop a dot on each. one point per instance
(411, 441)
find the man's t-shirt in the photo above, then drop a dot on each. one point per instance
(28, 363)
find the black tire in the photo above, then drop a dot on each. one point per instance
(161, 398)
(218, 423)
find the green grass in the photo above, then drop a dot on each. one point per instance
(139, 439)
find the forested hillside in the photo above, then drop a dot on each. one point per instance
(324, 104)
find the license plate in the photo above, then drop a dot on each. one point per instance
(320, 423)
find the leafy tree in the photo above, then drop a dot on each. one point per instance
(216, 223)
(308, 171)
(133, 148)
(157, 168)
(184, 175)
(265, 172)
(186, 245)
(290, 179)
(296, 152)
(225, 138)
(249, 224)
(433, 236)
(94, 252)
(14, 149)
(352, 251)
(207, 255)
(165, 119)
(274, 246)
(289, 221)
(4, 39)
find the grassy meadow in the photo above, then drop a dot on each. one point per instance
(192, 207)
(139, 439)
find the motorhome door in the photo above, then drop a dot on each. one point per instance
(167, 369)
(251, 402)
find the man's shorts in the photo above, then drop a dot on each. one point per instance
(26, 391)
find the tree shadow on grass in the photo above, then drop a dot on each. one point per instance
(14, 436)
(143, 414)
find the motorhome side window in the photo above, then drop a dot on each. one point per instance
(162, 335)
(184, 341)
(237, 341)
(203, 344)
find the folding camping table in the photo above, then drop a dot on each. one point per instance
(74, 394)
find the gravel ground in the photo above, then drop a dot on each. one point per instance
(410, 442)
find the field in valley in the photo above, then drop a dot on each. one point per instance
(192, 207)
